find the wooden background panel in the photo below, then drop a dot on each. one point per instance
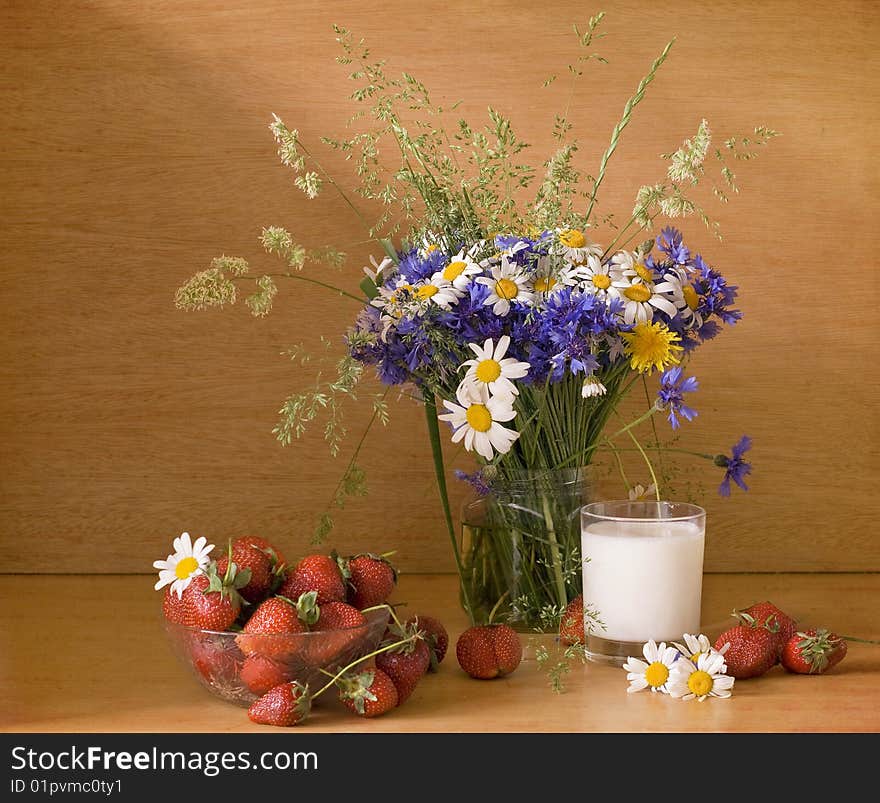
(135, 149)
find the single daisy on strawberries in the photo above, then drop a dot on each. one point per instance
(492, 370)
(654, 674)
(698, 681)
(177, 569)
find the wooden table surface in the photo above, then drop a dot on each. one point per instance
(88, 653)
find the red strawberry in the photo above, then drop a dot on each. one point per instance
(571, 625)
(435, 635)
(283, 705)
(774, 619)
(260, 673)
(371, 582)
(215, 658)
(279, 562)
(405, 665)
(751, 653)
(489, 651)
(211, 604)
(271, 621)
(257, 562)
(319, 573)
(370, 694)
(813, 652)
(174, 607)
(342, 625)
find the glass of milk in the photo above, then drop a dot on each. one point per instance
(643, 574)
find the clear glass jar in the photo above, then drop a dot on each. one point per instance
(521, 547)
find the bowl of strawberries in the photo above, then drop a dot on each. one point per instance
(249, 621)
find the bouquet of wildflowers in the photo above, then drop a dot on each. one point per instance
(512, 322)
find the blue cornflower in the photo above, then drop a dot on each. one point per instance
(415, 266)
(670, 243)
(735, 467)
(476, 480)
(670, 395)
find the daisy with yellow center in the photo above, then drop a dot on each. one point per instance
(492, 370)
(575, 247)
(686, 299)
(651, 346)
(635, 285)
(697, 681)
(188, 559)
(595, 277)
(437, 291)
(548, 279)
(459, 272)
(477, 419)
(654, 672)
(695, 646)
(507, 284)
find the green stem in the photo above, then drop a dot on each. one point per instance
(624, 121)
(308, 279)
(439, 471)
(554, 551)
(353, 664)
(635, 440)
(616, 452)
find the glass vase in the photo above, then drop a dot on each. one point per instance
(520, 547)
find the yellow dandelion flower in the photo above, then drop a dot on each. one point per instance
(651, 346)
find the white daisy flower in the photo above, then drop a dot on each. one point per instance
(654, 674)
(187, 560)
(391, 298)
(437, 291)
(639, 493)
(629, 265)
(460, 270)
(641, 298)
(508, 283)
(705, 679)
(575, 246)
(595, 277)
(491, 370)
(685, 297)
(477, 417)
(593, 387)
(695, 646)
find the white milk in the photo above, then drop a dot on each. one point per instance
(645, 578)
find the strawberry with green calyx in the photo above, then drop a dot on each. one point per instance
(341, 625)
(257, 562)
(369, 694)
(489, 651)
(278, 565)
(406, 660)
(212, 599)
(371, 579)
(752, 651)
(284, 705)
(766, 614)
(436, 636)
(813, 652)
(274, 618)
(571, 625)
(318, 573)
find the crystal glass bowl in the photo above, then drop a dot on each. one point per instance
(239, 667)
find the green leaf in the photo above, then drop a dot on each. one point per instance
(369, 287)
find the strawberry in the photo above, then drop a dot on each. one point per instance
(489, 651)
(246, 556)
(774, 619)
(435, 635)
(571, 625)
(260, 673)
(319, 573)
(212, 601)
(405, 664)
(342, 625)
(276, 557)
(813, 652)
(752, 650)
(371, 581)
(174, 607)
(283, 705)
(214, 658)
(272, 620)
(369, 694)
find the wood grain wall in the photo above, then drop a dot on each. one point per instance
(135, 148)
